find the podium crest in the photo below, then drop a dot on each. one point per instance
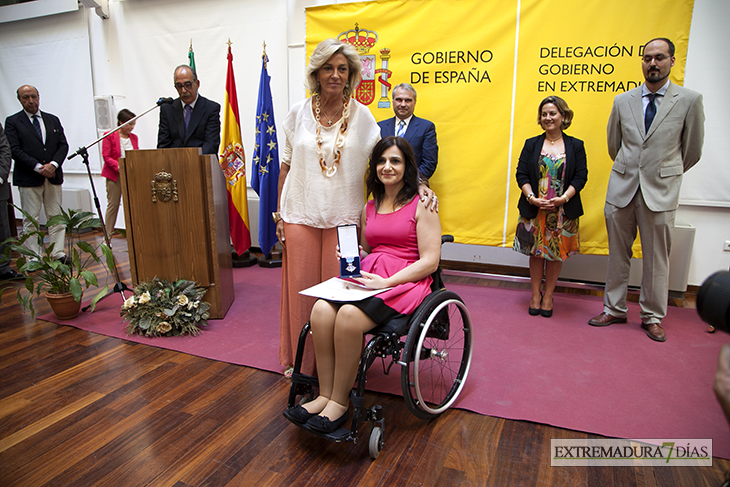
(164, 187)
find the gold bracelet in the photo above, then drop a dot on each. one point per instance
(276, 216)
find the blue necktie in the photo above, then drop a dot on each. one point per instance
(37, 126)
(186, 116)
(401, 128)
(650, 111)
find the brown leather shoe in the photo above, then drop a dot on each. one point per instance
(655, 331)
(605, 319)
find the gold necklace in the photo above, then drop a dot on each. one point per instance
(553, 141)
(339, 140)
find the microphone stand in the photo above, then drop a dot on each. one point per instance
(119, 286)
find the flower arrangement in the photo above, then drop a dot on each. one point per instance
(163, 308)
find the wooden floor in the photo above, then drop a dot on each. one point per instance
(79, 409)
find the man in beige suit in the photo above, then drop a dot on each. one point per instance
(655, 134)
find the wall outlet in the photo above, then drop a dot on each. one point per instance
(726, 247)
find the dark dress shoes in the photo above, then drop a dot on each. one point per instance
(546, 313)
(11, 275)
(655, 331)
(298, 415)
(605, 319)
(324, 425)
(64, 259)
(535, 311)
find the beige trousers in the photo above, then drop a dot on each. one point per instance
(113, 197)
(656, 229)
(49, 196)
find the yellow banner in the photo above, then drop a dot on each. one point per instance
(481, 68)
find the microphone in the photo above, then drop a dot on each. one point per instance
(83, 150)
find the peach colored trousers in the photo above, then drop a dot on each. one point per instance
(309, 258)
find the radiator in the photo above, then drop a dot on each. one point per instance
(592, 268)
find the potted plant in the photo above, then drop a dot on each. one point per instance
(60, 282)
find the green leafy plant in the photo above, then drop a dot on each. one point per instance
(163, 308)
(47, 274)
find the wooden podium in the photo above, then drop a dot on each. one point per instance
(176, 213)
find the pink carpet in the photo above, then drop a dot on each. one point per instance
(610, 381)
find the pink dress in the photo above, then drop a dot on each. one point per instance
(394, 243)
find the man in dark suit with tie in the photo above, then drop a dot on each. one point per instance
(6, 273)
(39, 147)
(419, 132)
(655, 134)
(191, 120)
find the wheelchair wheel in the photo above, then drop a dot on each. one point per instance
(376, 442)
(438, 353)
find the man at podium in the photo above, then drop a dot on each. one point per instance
(191, 120)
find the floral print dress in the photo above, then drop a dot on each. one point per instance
(550, 235)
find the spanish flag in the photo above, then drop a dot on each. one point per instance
(233, 163)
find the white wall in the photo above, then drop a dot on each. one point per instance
(133, 53)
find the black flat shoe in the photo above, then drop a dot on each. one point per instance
(323, 424)
(546, 313)
(298, 415)
(535, 311)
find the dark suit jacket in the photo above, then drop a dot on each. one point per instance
(5, 156)
(204, 129)
(576, 173)
(28, 149)
(421, 134)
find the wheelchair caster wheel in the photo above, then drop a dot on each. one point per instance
(376, 442)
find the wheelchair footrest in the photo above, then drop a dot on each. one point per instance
(338, 436)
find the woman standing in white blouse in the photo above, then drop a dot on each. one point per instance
(329, 137)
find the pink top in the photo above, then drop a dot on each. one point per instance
(394, 243)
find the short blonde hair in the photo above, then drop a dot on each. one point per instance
(562, 107)
(322, 53)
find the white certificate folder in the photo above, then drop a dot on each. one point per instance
(337, 289)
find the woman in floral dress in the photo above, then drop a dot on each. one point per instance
(551, 172)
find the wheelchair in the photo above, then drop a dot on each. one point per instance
(434, 357)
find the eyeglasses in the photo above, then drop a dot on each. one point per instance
(658, 58)
(187, 85)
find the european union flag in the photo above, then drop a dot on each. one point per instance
(265, 177)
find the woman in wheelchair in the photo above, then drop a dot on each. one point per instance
(402, 240)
